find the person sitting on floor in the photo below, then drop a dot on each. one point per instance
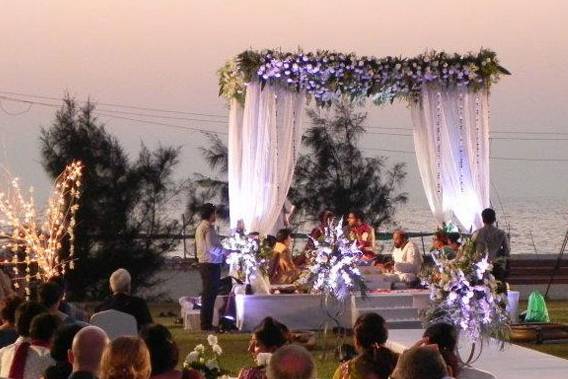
(291, 361)
(454, 242)
(362, 233)
(59, 350)
(441, 244)
(407, 260)
(423, 362)
(374, 359)
(282, 267)
(122, 301)
(86, 352)
(164, 354)
(266, 339)
(8, 332)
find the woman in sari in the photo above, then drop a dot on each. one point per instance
(282, 268)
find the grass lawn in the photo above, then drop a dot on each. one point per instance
(235, 345)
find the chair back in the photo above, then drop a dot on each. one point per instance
(115, 323)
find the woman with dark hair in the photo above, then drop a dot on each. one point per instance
(8, 332)
(374, 359)
(266, 339)
(440, 243)
(362, 233)
(445, 336)
(317, 233)
(59, 352)
(282, 268)
(164, 354)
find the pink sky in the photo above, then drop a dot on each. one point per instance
(165, 53)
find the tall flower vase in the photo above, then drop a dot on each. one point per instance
(333, 310)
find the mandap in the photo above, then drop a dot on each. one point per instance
(448, 98)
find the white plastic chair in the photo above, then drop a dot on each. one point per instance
(115, 323)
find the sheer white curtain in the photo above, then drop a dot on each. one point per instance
(263, 142)
(451, 137)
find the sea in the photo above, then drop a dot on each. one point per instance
(535, 225)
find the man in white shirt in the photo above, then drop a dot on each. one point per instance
(407, 258)
(210, 256)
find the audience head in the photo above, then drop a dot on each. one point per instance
(399, 238)
(488, 216)
(208, 212)
(291, 362)
(25, 314)
(284, 236)
(268, 336)
(126, 358)
(440, 240)
(51, 295)
(355, 217)
(445, 337)
(325, 217)
(420, 363)
(120, 281)
(87, 349)
(164, 353)
(63, 341)
(8, 313)
(370, 334)
(240, 225)
(44, 326)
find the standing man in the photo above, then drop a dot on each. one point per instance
(210, 256)
(493, 241)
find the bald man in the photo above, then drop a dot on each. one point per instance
(291, 362)
(86, 351)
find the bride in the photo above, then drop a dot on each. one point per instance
(282, 267)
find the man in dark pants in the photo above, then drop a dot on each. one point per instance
(210, 256)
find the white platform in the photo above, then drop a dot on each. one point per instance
(303, 311)
(514, 362)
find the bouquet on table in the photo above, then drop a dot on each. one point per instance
(333, 270)
(206, 359)
(464, 293)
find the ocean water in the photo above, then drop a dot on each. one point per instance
(536, 225)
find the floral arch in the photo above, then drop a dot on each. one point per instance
(448, 98)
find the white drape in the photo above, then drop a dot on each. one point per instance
(451, 137)
(263, 139)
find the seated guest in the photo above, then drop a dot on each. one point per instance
(25, 313)
(441, 244)
(75, 313)
(282, 267)
(325, 218)
(374, 359)
(494, 242)
(61, 345)
(291, 362)
(164, 354)
(51, 297)
(122, 301)
(266, 339)
(421, 363)
(364, 234)
(86, 352)
(126, 358)
(8, 332)
(407, 258)
(454, 242)
(32, 357)
(445, 337)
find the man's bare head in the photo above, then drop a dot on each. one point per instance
(87, 349)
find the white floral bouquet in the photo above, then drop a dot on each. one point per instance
(247, 259)
(206, 360)
(333, 269)
(464, 293)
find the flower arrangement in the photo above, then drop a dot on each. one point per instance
(206, 360)
(333, 270)
(250, 256)
(464, 293)
(37, 240)
(327, 75)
